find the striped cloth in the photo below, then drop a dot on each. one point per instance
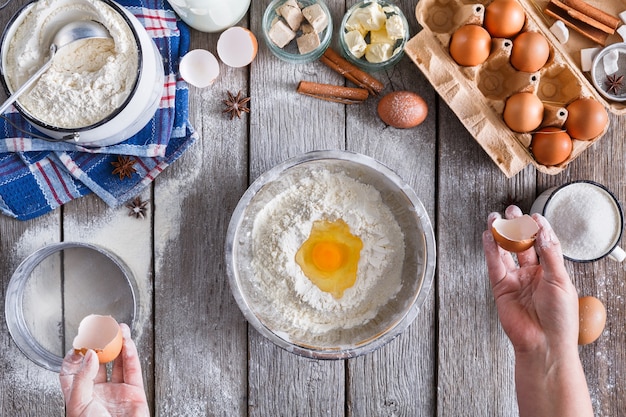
(37, 176)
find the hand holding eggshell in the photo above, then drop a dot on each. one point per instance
(89, 391)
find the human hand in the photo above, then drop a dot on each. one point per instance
(87, 392)
(536, 300)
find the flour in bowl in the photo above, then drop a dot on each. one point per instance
(88, 80)
(286, 296)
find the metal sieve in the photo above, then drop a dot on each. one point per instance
(55, 287)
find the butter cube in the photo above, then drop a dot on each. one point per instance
(381, 36)
(356, 43)
(395, 27)
(308, 42)
(281, 34)
(378, 52)
(316, 17)
(368, 18)
(292, 14)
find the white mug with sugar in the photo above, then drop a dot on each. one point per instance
(586, 217)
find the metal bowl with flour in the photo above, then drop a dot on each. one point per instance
(395, 266)
(97, 94)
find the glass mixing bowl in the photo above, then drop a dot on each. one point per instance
(392, 317)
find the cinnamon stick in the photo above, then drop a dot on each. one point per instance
(361, 78)
(594, 13)
(585, 19)
(335, 93)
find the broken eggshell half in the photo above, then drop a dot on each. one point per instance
(515, 235)
(101, 334)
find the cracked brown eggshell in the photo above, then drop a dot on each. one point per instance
(515, 235)
(101, 334)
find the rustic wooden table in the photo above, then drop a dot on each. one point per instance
(199, 355)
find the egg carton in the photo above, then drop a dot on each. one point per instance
(478, 94)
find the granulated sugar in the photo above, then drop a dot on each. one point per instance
(585, 219)
(284, 224)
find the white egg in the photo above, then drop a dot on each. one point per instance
(237, 47)
(199, 68)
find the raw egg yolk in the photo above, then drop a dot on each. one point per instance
(330, 256)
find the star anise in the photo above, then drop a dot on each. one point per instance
(235, 105)
(137, 208)
(614, 83)
(124, 166)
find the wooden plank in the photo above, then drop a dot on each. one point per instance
(200, 335)
(25, 388)
(603, 361)
(475, 358)
(284, 124)
(400, 378)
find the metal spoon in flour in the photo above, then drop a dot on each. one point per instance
(71, 32)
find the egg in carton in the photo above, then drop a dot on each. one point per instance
(478, 94)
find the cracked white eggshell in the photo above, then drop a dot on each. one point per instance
(237, 47)
(199, 68)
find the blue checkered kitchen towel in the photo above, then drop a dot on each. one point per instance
(37, 176)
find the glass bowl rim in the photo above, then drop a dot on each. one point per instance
(268, 16)
(362, 62)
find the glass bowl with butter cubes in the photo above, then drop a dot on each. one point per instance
(373, 34)
(297, 31)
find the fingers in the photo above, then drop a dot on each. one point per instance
(81, 391)
(549, 250)
(70, 366)
(495, 266)
(127, 367)
(499, 261)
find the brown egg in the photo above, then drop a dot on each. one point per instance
(592, 316)
(470, 45)
(402, 109)
(504, 18)
(523, 112)
(530, 52)
(551, 146)
(515, 235)
(586, 119)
